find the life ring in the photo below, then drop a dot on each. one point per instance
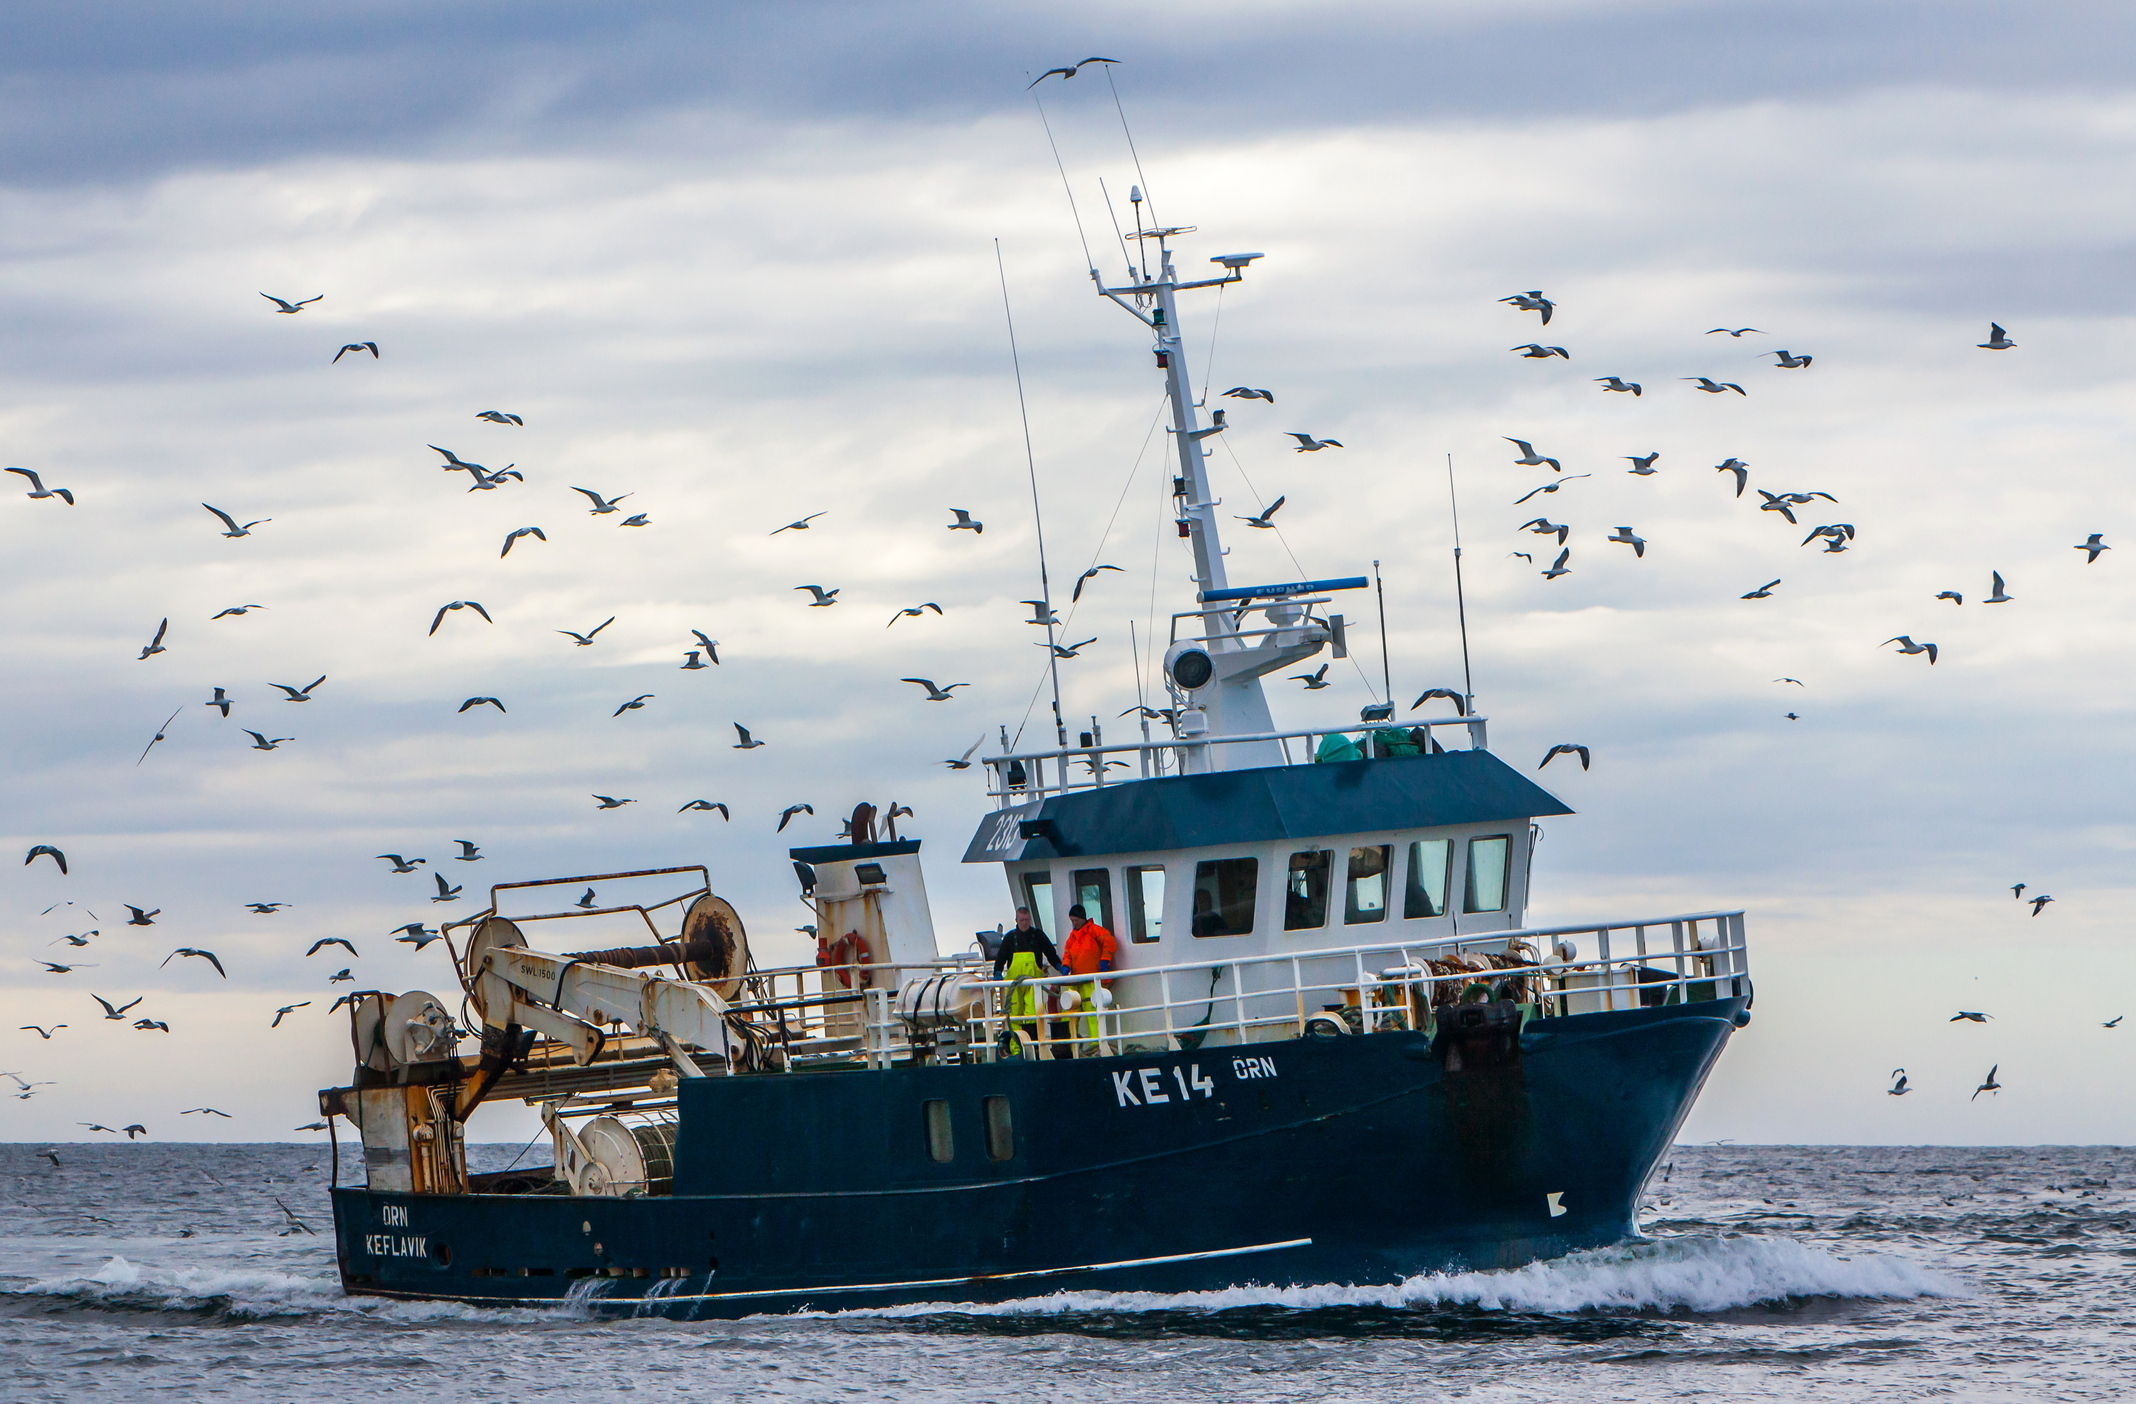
(839, 957)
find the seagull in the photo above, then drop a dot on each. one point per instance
(400, 864)
(1308, 444)
(2018, 891)
(1262, 521)
(941, 694)
(914, 612)
(1998, 597)
(342, 976)
(415, 934)
(1763, 592)
(52, 969)
(2038, 903)
(496, 417)
(139, 917)
(325, 941)
(155, 645)
(1899, 1088)
(1553, 487)
(1529, 457)
(1642, 467)
(708, 804)
(485, 482)
(76, 941)
(446, 891)
(1558, 567)
(1521, 555)
(194, 1111)
(824, 598)
(136, 1129)
(235, 610)
(601, 505)
(790, 811)
(963, 522)
(1796, 681)
(233, 530)
(1774, 502)
(478, 701)
(299, 694)
(585, 640)
(1315, 680)
(152, 1024)
(640, 519)
(1543, 526)
(1065, 73)
(1907, 645)
(801, 525)
(469, 853)
(1460, 702)
(748, 742)
(1736, 331)
(1996, 341)
(1247, 392)
(2092, 547)
(1787, 360)
(1531, 301)
(1041, 612)
(1954, 596)
(635, 704)
(1991, 1085)
(119, 1011)
(586, 900)
(710, 646)
(39, 490)
(266, 908)
(1969, 1016)
(42, 1032)
(1791, 716)
(692, 663)
(1623, 536)
(1711, 386)
(208, 956)
(261, 743)
(370, 346)
(1613, 382)
(1839, 531)
(1070, 650)
(475, 605)
(611, 802)
(1741, 470)
(94, 1127)
(286, 1010)
(1534, 352)
(219, 700)
(1566, 749)
(157, 737)
(964, 762)
(453, 461)
(284, 305)
(2114, 1022)
(535, 532)
(1086, 576)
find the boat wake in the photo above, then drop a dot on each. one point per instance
(250, 1293)
(1691, 1274)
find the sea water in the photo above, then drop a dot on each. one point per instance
(145, 1271)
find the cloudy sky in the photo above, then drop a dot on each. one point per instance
(739, 262)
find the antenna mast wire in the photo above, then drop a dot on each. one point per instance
(1386, 668)
(1038, 519)
(1129, 134)
(1468, 680)
(1065, 186)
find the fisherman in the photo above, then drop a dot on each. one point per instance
(1089, 949)
(1025, 953)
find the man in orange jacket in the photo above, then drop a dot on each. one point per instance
(1089, 949)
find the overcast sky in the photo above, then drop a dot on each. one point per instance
(739, 262)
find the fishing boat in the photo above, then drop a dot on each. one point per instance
(1327, 1048)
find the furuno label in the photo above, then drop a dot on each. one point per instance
(1148, 1087)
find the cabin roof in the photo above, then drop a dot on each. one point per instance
(1263, 805)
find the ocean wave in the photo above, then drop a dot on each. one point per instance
(251, 1293)
(1701, 1274)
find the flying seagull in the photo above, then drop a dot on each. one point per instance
(370, 346)
(787, 814)
(299, 694)
(1531, 301)
(2017, 890)
(964, 762)
(1735, 331)
(1969, 1016)
(219, 700)
(1535, 352)
(824, 598)
(801, 525)
(710, 646)
(453, 461)
(1041, 612)
(235, 610)
(1558, 566)
(1623, 536)
(707, 804)
(586, 900)
(535, 532)
(1775, 502)
(1529, 458)
(1998, 597)
(41, 1031)
(640, 519)
(1247, 392)
(914, 612)
(446, 891)
(112, 1011)
(192, 1111)
(1711, 386)
(1068, 650)
(46, 850)
(265, 908)
(1308, 444)
(611, 802)
(691, 663)
(469, 853)
(1460, 702)
(285, 1011)
(415, 934)
(262, 743)
(1990, 1085)
(485, 482)
(1262, 520)
(284, 305)
(2092, 547)
(208, 956)
(157, 737)
(601, 505)
(39, 490)
(1954, 596)
(479, 701)
(1763, 592)
(2038, 903)
(585, 640)
(1996, 341)
(1543, 526)
(1089, 575)
(1065, 73)
(155, 645)
(1839, 532)
(2112, 1023)
(52, 969)
(1741, 470)
(232, 529)
(1907, 645)
(963, 522)
(1564, 748)
(935, 694)
(635, 704)
(139, 917)
(1618, 383)
(747, 742)
(324, 941)
(1899, 1088)
(495, 417)
(1552, 487)
(400, 864)
(1315, 680)
(1642, 467)
(1788, 361)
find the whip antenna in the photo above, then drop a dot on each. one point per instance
(1038, 518)
(1468, 680)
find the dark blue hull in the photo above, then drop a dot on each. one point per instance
(1349, 1159)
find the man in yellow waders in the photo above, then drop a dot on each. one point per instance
(1025, 953)
(1089, 949)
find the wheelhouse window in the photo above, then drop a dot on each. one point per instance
(1365, 893)
(1038, 896)
(1223, 896)
(1305, 892)
(1486, 888)
(1145, 903)
(1093, 893)
(1424, 892)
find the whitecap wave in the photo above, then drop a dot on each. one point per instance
(1688, 1274)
